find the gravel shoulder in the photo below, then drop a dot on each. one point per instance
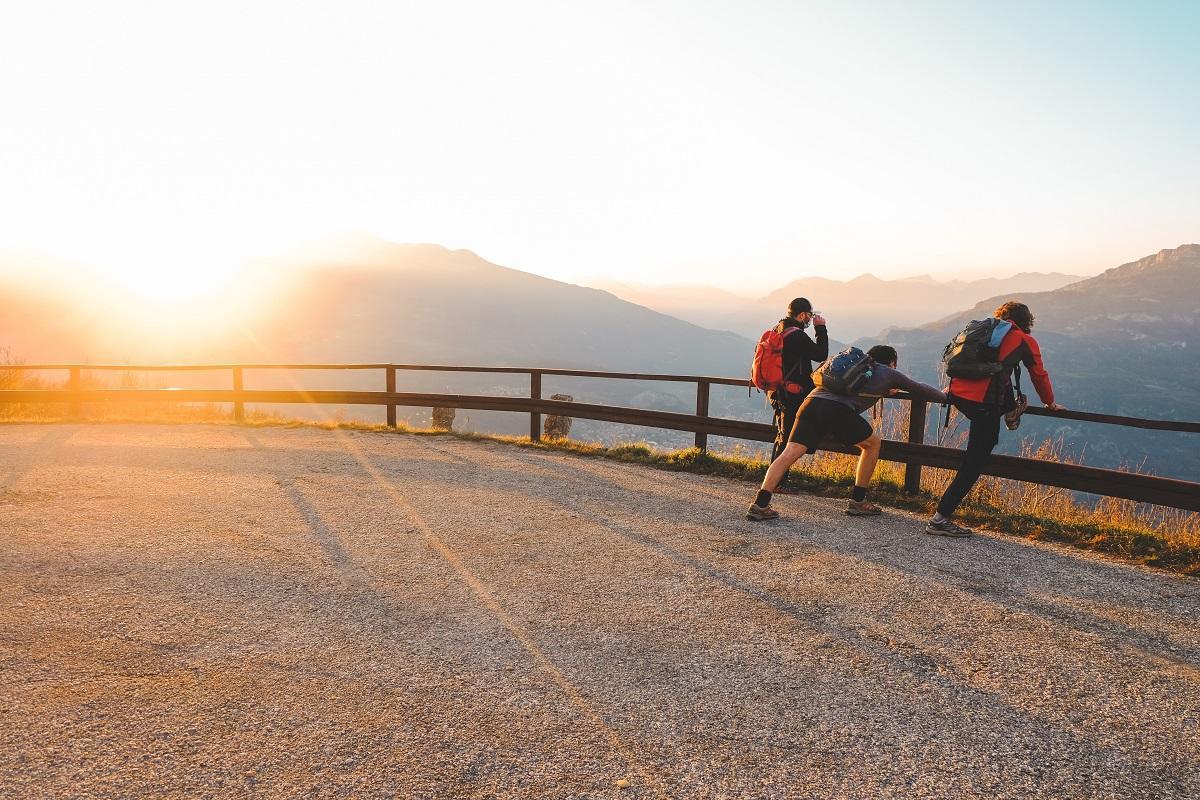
(214, 611)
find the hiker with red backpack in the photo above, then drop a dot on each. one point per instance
(981, 362)
(846, 385)
(783, 363)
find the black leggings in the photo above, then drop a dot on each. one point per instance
(983, 438)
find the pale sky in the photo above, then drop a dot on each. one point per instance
(737, 143)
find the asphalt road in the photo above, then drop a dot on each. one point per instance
(214, 611)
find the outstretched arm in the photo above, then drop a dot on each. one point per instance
(917, 389)
(1032, 358)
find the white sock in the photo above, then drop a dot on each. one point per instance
(937, 517)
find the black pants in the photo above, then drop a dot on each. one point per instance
(983, 438)
(785, 418)
(786, 405)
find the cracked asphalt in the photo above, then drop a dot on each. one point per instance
(215, 611)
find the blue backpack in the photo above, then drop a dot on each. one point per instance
(846, 373)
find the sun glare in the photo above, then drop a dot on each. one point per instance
(173, 285)
(159, 270)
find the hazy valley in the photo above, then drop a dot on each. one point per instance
(857, 307)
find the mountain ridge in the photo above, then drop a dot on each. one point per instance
(1179, 265)
(336, 294)
(854, 307)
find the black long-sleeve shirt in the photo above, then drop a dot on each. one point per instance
(799, 353)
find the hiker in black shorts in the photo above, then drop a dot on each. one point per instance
(824, 413)
(799, 353)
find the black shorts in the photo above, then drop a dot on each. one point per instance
(818, 418)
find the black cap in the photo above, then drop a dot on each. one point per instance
(799, 306)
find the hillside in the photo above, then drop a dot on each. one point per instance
(426, 303)
(1123, 342)
(683, 300)
(366, 299)
(362, 299)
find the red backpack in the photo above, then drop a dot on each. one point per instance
(766, 372)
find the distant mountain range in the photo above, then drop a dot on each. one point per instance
(395, 302)
(361, 299)
(366, 299)
(1123, 342)
(857, 307)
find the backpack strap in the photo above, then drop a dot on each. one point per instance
(999, 332)
(998, 384)
(946, 407)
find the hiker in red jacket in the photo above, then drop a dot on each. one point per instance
(985, 402)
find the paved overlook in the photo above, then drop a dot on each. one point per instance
(194, 611)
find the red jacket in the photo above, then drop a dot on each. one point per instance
(1017, 347)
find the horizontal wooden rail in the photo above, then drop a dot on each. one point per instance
(1113, 419)
(574, 373)
(634, 416)
(1081, 416)
(188, 367)
(1113, 483)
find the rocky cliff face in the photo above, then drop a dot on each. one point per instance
(1155, 300)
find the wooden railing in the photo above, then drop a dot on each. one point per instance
(913, 453)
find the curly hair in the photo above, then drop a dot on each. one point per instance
(1017, 313)
(883, 354)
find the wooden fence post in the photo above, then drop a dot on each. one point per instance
(702, 411)
(535, 419)
(391, 389)
(75, 385)
(239, 408)
(916, 434)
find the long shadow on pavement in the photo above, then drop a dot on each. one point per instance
(916, 662)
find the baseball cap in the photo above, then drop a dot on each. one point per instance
(799, 306)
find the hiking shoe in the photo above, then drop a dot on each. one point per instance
(786, 488)
(862, 508)
(947, 528)
(758, 513)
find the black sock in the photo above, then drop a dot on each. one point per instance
(858, 494)
(764, 498)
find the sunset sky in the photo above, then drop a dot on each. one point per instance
(738, 143)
